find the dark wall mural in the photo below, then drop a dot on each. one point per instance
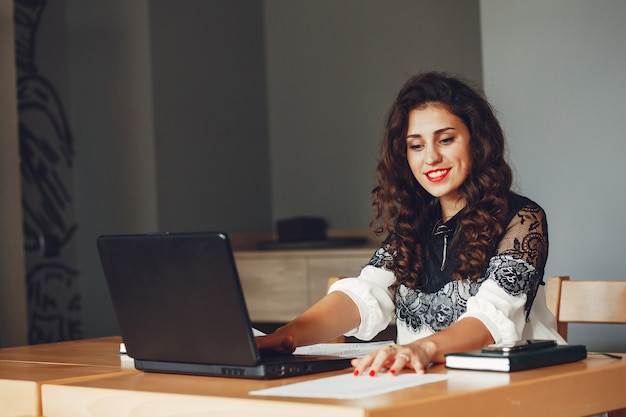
(47, 157)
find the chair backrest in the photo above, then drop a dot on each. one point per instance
(590, 301)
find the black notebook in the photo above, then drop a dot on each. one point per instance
(180, 308)
(487, 361)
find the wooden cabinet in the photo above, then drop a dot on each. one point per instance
(279, 285)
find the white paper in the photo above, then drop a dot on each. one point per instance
(348, 386)
(345, 350)
(257, 332)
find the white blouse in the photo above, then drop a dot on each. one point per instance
(509, 299)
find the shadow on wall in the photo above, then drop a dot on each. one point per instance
(46, 152)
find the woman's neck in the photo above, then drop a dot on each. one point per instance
(450, 207)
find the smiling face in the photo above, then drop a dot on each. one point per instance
(439, 155)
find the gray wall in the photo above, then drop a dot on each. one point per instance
(13, 308)
(199, 114)
(334, 68)
(331, 69)
(555, 72)
(110, 112)
(159, 97)
(210, 115)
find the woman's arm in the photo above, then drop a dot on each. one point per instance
(466, 334)
(361, 306)
(332, 316)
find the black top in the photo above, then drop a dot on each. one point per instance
(516, 264)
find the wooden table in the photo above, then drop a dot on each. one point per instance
(91, 390)
(98, 351)
(24, 369)
(583, 388)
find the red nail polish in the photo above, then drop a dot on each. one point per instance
(372, 373)
(392, 371)
(356, 372)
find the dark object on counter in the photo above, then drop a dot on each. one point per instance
(330, 243)
(301, 228)
(307, 233)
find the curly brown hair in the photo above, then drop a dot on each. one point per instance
(405, 211)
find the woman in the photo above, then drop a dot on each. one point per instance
(463, 261)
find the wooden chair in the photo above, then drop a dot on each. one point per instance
(588, 301)
(576, 301)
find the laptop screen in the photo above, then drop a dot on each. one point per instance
(177, 297)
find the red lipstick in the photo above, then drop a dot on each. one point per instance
(437, 175)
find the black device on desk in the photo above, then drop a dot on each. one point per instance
(180, 308)
(519, 346)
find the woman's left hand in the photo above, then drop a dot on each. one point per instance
(416, 356)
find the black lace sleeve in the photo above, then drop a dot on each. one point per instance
(519, 262)
(382, 258)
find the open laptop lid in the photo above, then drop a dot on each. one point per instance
(180, 308)
(177, 297)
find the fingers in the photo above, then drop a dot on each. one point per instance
(402, 361)
(274, 342)
(394, 358)
(288, 344)
(407, 360)
(373, 361)
(383, 358)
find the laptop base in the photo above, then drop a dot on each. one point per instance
(297, 365)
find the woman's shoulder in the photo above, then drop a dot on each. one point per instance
(519, 203)
(523, 210)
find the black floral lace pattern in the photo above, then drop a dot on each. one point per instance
(515, 277)
(381, 258)
(512, 275)
(516, 267)
(529, 238)
(519, 264)
(436, 311)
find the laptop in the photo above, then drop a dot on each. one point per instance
(180, 308)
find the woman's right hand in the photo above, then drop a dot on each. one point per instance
(330, 317)
(276, 342)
